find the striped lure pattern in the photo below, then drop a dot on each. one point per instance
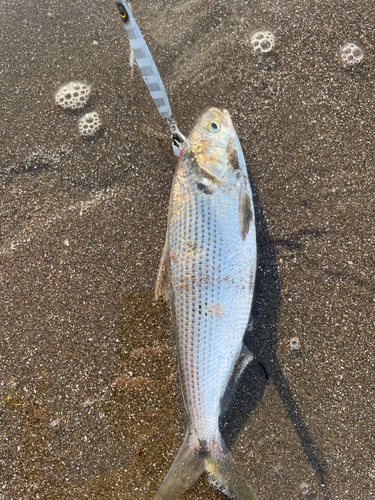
(144, 60)
(208, 272)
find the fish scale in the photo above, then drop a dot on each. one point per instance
(208, 271)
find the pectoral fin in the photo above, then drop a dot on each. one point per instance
(163, 281)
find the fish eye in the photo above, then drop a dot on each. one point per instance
(213, 127)
(122, 11)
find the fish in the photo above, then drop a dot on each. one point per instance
(207, 272)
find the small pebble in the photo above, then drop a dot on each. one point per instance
(89, 402)
(55, 424)
(304, 487)
(295, 344)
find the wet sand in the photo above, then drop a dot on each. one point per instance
(89, 399)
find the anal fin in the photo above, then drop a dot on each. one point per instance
(243, 360)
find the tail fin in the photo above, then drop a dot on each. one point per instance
(191, 462)
(223, 474)
(184, 473)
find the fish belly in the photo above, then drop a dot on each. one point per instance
(212, 274)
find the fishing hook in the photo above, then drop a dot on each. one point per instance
(174, 130)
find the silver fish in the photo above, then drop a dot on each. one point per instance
(207, 271)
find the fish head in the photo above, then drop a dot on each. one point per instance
(218, 151)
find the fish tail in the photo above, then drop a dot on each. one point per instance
(184, 473)
(190, 464)
(223, 473)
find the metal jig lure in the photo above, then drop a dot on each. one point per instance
(152, 78)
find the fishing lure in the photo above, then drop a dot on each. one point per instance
(145, 62)
(131, 54)
(151, 77)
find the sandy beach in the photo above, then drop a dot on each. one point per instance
(90, 406)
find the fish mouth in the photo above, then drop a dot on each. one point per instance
(222, 116)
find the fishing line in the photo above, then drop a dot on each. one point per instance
(151, 77)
